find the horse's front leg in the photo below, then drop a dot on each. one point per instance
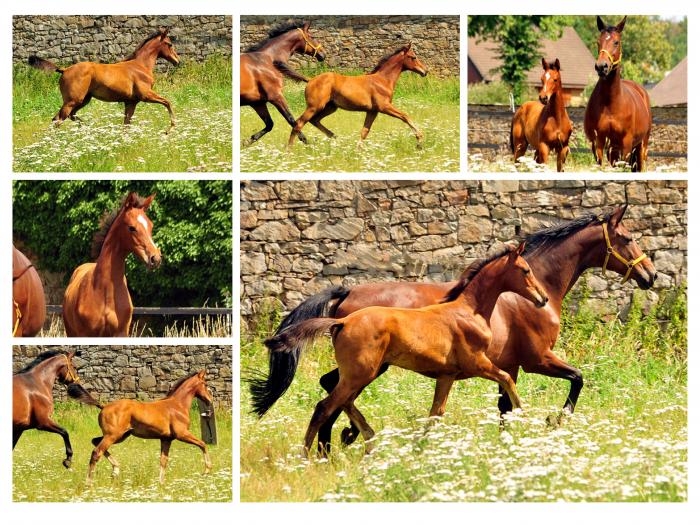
(394, 112)
(188, 437)
(129, 108)
(50, 426)
(443, 385)
(562, 154)
(164, 451)
(262, 111)
(281, 104)
(369, 120)
(298, 125)
(154, 98)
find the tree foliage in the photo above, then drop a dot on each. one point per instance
(191, 225)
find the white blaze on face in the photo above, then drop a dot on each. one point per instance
(607, 37)
(546, 75)
(143, 222)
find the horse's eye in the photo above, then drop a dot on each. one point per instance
(616, 43)
(132, 229)
(526, 271)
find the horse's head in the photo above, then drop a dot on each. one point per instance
(411, 61)
(609, 47)
(67, 373)
(135, 230)
(521, 280)
(166, 49)
(200, 388)
(622, 253)
(307, 45)
(551, 80)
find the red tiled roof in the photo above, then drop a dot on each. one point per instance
(577, 63)
(673, 89)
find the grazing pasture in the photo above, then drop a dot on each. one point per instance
(200, 94)
(627, 440)
(431, 103)
(38, 475)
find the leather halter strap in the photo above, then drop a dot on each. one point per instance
(614, 63)
(308, 44)
(611, 251)
(21, 272)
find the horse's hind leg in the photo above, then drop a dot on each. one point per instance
(104, 443)
(316, 119)
(281, 104)
(188, 437)
(164, 451)
(306, 116)
(155, 98)
(78, 107)
(262, 111)
(486, 369)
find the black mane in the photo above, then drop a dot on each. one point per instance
(274, 33)
(552, 235)
(178, 384)
(106, 222)
(148, 39)
(40, 359)
(385, 58)
(471, 272)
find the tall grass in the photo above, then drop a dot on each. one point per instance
(200, 94)
(431, 103)
(38, 475)
(627, 440)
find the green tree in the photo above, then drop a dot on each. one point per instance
(519, 41)
(192, 222)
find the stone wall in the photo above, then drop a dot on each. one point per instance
(299, 237)
(489, 124)
(358, 42)
(140, 372)
(68, 39)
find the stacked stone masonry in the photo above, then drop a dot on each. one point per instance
(299, 237)
(140, 372)
(66, 40)
(358, 42)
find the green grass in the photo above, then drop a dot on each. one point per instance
(200, 94)
(431, 103)
(38, 474)
(627, 440)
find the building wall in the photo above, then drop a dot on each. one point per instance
(299, 237)
(358, 42)
(138, 371)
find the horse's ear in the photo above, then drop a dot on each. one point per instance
(557, 65)
(131, 200)
(545, 64)
(148, 200)
(520, 249)
(306, 26)
(408, 46)
(601, 24)
(616, 217)
(164, 33)
(621, 25)
(202, 373)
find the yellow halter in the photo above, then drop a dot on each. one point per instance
(308, 44)
(611, 251)
(18, 315)
(613, 62)
(73, 376)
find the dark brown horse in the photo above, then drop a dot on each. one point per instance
(545, 125)
(264, 65)
(130, 81)
(371, 93)
(97, 302)
(28, 301)
(166, 419)
(524, 337)
(618, 114)
(32, 396)
(446, 341)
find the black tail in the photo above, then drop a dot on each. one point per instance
(76, 391)
(44, 65)
(315, 306)
(288, 71)
(285, 351)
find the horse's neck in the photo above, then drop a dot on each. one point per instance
(45, 373)
(148, 54)
(482, 293)
(559, 267)
(183, 396)
(391, 70)
(611, 87)
(110, 267)
(555, 107)
(279, 49)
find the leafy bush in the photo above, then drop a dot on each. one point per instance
(191, 225)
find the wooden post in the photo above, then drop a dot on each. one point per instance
(207, 422)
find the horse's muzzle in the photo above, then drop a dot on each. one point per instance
(603, 69)
(320, 56)
(544, 100)
(153, 262)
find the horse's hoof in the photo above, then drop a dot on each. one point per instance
(348, 436)
(67, 463)
(419, 145)
(115, 473)
(554, 421)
